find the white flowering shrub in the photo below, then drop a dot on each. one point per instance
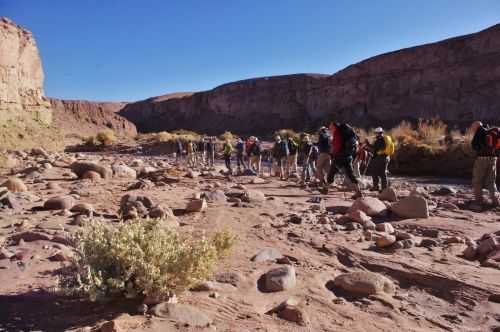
(140, 259)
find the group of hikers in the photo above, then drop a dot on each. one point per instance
(337, 149)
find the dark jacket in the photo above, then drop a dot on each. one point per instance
(255, 149)
(324, 143)
(280, 150)
(378, 146)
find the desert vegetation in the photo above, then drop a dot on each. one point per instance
(106, 137)
(139, 259)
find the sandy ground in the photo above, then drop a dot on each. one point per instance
(437, 289)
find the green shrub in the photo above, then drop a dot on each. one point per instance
(140, 258)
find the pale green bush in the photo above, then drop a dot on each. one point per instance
(106, 137)
(139, 259)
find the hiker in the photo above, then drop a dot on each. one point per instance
(362, 160)
(211, 152)
(280, 154)
(486, 143)
(379, 163)
(291, 163)
(191, 158)
(344, 148)
(324, 159)
(227, 150)
(202, 150)
(240, 151)
(309, 153)
(248, 144)
(179, 150)
(255, 154)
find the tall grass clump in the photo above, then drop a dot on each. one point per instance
(431, 132)
(227, 136)
(140, 259)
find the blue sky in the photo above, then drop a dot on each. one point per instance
(134, 49)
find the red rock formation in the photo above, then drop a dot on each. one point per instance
(85, 118)
(457, 79)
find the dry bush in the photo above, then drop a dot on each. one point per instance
(140, 258)
(404, 132)
(186, 135)
(106, 137)
(431, 132)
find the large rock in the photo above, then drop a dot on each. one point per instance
(80, 168)
(216, 196)
(411, 207)
(196, 205)
(59, 203)
(253, 196)
(133, 206)
(280, 279)
(388, 194)
(15, 185)
(369, 205)
(183, 314)
(123, 171)
(364, 283)
(385, 240)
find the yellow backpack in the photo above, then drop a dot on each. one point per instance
(390, 146)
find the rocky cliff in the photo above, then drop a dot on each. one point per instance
(457, 79)
(85, 118)
(21, 75)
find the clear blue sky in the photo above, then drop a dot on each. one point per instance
(134, 49)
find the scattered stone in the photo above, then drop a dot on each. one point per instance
(487, 245)
(352, 226)
(182, 313)
(449, 206)
(385, 227)
(39, 152)
(14, 185)
(137, 163)
(5, 254)
(445, 191)
(80, 220)
(83, 208)
(454, 239)
(123, 171)
(434, 233)
(133, 206)
(292, 311)
(53, 186)
(192, 174)
(385, 240)
(59, 257)
(280, 279)
(388, 194)
(253, 196)
(411, 207)
(216, 196)
(8, 200)
(267, 254)
(59, 203)
(92, 176)
(359, 217)
(196, 205)
(258, 180)
(232, 278)
(211, 286)
(364, 283)
(295, 219)
(400, 235)
(369, 205)
(30, 236)
(420, 192)
(404, 244)
(80, 168)
(428, 243)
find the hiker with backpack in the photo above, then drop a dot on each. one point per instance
(179, 150)
(309, 153)
(255, 154)
(382, 150)
(344, 147)
(293, 148)
(227, 150)
(324, 161)
(486, 144)
(240, 151)
(211, 152)
(280, 154)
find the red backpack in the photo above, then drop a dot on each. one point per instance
(493, 139)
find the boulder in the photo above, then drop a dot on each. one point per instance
(83, 208)
(430, 232)
(258, 180)
(253, 196)
(470, 252)
(292, 311)
(216, 196)
(404, 244)
(80, 168)
(15, 185)
(280, 279)
(359, 217)
(420, 192)
(137, 163)
(59, 203)
(445, 191)
(267, 254)
(8, 200)
(182, 314)
(449, 206)
(196, 205)
(369, 205)
(385, 240)
(487, 245)
(364, 283)
(123, 171)
(92, 176)
(132, 206)
(388, 194)
(428, 243)
(39, 152)
(411, 207)
(385, 227)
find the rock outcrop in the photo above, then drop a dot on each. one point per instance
(457, 79)
(91, 117)
(21, 75)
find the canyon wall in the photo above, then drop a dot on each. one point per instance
(457, 79)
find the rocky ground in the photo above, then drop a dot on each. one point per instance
(303, 262)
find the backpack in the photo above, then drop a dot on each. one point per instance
(314, 154)
(350, 139)
(256, 149)
(292, 146)
(493, 139)
(390, 146)
(284, 149)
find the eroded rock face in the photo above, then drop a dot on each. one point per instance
(91, 117)
(21, 75)
(455, 79)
